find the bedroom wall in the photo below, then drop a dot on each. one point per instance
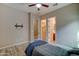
(9, 35)
(67, 24)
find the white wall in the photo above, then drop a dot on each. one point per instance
(9, 35)
(67, 24)
(68, 34)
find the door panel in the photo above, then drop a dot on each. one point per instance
(35, 29)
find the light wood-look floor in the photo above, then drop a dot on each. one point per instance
(14, 51)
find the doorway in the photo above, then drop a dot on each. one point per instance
(52, 29)
(48, 28)
(44, 29)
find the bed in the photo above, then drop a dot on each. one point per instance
(31, 47)
(42, 48)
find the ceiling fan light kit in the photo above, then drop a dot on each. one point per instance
(39, 5)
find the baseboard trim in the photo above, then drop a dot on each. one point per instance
(16, 44)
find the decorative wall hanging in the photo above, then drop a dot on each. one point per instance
(17, 26)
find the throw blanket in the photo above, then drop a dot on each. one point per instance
(32, 45)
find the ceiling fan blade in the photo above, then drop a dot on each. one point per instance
(45, 5)
(32, 5)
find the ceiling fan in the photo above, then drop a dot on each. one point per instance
(39, 5)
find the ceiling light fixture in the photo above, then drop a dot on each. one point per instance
(38, 5)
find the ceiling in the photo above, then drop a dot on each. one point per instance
(43, 10)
